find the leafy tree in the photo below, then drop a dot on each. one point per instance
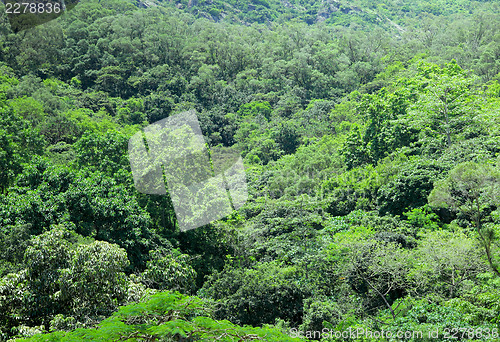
(169, 316)
(103, 152)
(29, 109)
(437, 318)
(355, 153)
(444, 264)
(169, 270)
(60, 128)
(107, 211)
(354, 189)
(473, 190)
(94, 202)
(446, 105)
(15, 240)
(377, 271)
(257, 295)
(288, 137)
(18, 141)
(28, 295)
(318, 311)
(84, 283)
(94, 284)
(158, 106)
(8, 159)
(410, 187)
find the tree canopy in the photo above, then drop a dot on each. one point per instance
(370, 138)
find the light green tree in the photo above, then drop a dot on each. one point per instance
(446, 105)
(473, 190)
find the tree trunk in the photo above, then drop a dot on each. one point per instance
(486, 243)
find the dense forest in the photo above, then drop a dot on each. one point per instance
(370, 134)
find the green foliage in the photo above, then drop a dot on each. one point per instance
(410, 187)
(169, 270)
(355, 189)
(167, 316)
(317, 311)
(95, 282)
(14, 240)
(103, 152)
(370, 161)
(473, 190)
(434, 320)
(422, 218)
(85, 283)
(18, 141)
(98, 207)
(444, 264)
(30, 109)
(446, 106)
(257, 295)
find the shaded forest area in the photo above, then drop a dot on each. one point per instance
(370, 135)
